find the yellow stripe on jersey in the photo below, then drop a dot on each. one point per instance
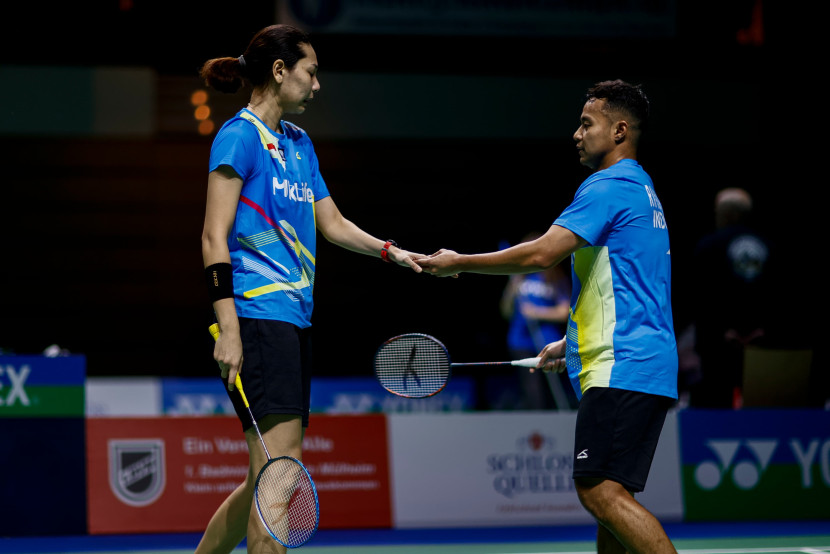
(274, 287)
(255, 242)
(594, 316)
(288, 235)
(299, 247)
(265, 137)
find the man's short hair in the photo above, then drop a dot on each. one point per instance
(622, 97)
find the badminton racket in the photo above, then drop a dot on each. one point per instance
(415, 365)
(285, 494)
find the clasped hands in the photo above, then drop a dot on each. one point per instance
(444, 263)
(441, 264)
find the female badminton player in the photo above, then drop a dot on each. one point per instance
(266, 199)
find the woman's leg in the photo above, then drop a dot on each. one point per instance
(237, 517)
(283, 434)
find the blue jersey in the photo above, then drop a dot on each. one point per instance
(620, 330)
(531, 334)
(273, 241)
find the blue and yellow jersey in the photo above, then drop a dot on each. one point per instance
(620, 330)
(273, 241)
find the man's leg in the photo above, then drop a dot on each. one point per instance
(615, 509)
(607, 543)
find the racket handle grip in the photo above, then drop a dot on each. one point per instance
(238, 383)
(214, 330)
(526, 362)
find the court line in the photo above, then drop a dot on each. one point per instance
(495, 549)
(773, 550)
(777, 550)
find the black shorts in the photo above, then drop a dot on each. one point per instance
(276, 370)
(616, 435)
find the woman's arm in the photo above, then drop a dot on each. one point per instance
(342, 232)
(224, 188)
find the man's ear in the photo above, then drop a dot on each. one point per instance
(620, 131)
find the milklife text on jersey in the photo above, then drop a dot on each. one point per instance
(298, 192)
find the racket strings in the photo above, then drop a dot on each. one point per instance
(412, 365)
(287, 502)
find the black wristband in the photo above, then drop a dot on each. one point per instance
(219, 280)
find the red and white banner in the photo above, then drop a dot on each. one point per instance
(167, 474)
(348, 459)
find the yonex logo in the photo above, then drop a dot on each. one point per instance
(582, 455)
(200, 404)
(17, 378)
(745, 474)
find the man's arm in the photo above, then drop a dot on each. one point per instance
(527, 257)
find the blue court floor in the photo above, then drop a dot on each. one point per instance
(690, 538)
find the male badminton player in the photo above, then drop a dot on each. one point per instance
(620, 348)
(265, 201)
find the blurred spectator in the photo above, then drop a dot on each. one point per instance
(536, 305)
(732, 302)
(688, 364)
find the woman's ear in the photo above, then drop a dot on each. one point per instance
(278, 70)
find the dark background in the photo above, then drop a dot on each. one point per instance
(101, 237)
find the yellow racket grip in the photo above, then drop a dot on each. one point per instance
(238, 383)
(214, 330)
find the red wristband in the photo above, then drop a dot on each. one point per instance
(384, 252)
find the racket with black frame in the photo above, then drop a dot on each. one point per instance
(416, 365)
(285, 494)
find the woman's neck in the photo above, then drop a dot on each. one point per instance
(266, 110)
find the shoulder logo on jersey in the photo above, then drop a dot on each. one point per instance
(268, 140)
(277, 153)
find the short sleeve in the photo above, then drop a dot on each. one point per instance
(593, 210)
(236, 145)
